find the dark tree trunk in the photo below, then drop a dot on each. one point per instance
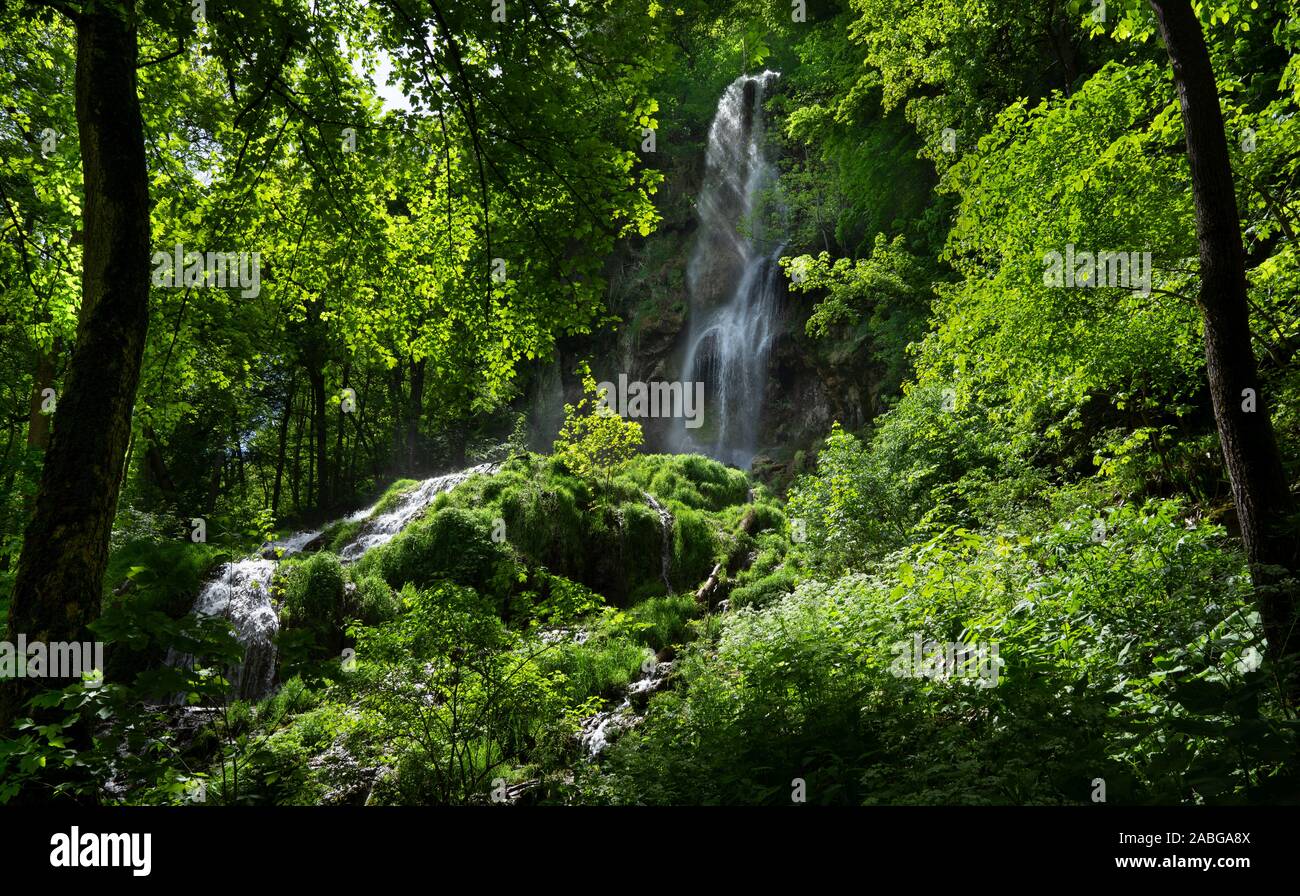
(214, 481)
(395, 395)
(339, 464)
(239, 454)
(1259, 485)
(457, 436)
(359, 438)
(157, 467)
(282, 443)
(10, 466)
(296, 473)
(58, 587)
(317, 378)
(311, 455)
(38, 422)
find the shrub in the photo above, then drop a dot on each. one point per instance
(313, 593)
(450, 545)
(1124, 635)
(373, 602)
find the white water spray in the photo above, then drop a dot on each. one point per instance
(241, 591)
(733, 278)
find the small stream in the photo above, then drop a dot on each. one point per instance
(598, 731)
(665, 526)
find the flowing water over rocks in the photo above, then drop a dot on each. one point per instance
(734, 280)
(241, 591)
(382, 528)
(666, 526)
(599, 731)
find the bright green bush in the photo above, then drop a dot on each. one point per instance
(600, 667)
(695, 549)
(451, 544)
(313, 592)
(373, 601)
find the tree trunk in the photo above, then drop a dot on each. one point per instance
(296, 469)
(414, 410)
(317, 377)
(1259, 485)
(58, 587)
(311, 455)
(457, 436)
(339, 464)
(283, 442)
(156, 464)
(395, 393)
(214, 482)
(239, 455)
(38, 422)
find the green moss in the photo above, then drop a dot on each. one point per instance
(695, 549)
(641, 548)
(691, 479)
(336, 536)
(313, 594)
(659, 622)
(393, 494)
(452, 544)
(373, 602)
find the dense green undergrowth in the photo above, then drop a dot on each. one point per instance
(448, 666)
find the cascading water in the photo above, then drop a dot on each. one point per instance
(382, 528)
(241, 591)
(666, 527)
(733, 278)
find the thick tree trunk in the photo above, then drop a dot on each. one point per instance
(1259, 485)
(59, 582)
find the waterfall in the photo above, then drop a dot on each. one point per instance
(733, 278)
(241, 591)
(382, 528)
